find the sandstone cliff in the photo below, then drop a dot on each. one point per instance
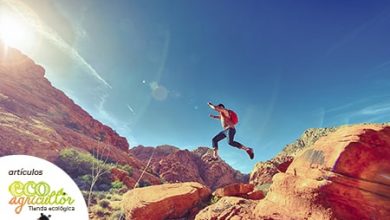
(264, 171)
(344, 175)
(40, 120)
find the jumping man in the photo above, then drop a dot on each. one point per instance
(228, 130)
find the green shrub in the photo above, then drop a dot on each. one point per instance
(78, 163)
(84, 181)
(214, 199)
(117, 184)
(79, 166)
(86, 178)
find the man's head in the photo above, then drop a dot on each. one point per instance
(221, 105)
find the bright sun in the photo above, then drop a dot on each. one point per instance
(14, 32)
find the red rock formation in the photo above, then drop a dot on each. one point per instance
(167, 201)
(236, 189)
(264, 171)
(255, 195)
(234, 208)
(144, 153)
(345, 175)
(242, 190)
(174, 165)
(181, 166)
(40, 120)
(131, 180)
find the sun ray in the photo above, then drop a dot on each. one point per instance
(14, 32)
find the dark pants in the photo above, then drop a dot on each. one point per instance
(230, 132)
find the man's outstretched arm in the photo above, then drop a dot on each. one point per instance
(217, 108)
(211, 105)
(215, 116)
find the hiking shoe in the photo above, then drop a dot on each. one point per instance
(250, 153)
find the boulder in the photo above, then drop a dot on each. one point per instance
(237, 189)
(345, 175)
(255, 195)
(167, 201)
(240, 190)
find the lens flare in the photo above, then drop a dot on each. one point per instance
(14, 32)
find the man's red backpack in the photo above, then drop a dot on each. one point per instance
(233, 117)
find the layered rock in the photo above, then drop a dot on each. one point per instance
(264, 171)
(167, 201)
(39, 120)
(144, 153)
(133, 180)
(174, 165)
(345, 175)
(307, 139)
(233, 208)
(242, 190)
(217, 173)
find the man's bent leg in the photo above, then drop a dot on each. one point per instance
(221, 135)
(248, 150)
(232, 142)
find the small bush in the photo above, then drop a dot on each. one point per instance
(214, 199)
(117, 184)
(79, 166)
(104, 203)
(100, 212)
(75, 163)
(84, 181)
(115, 197)
(101, 195)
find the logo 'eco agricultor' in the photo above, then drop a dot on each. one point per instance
(36, 193)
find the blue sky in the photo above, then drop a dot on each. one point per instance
(148, 68)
